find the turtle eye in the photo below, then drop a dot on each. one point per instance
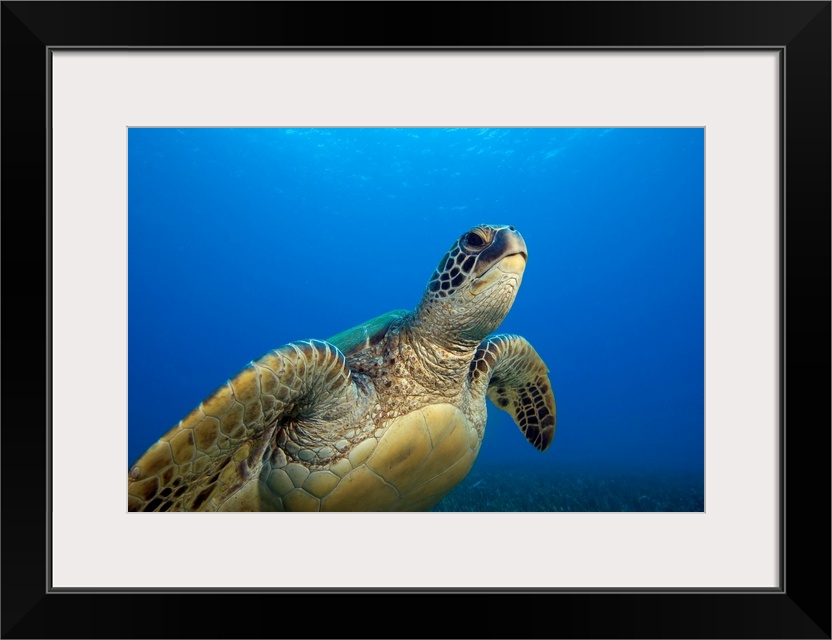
(474, 240)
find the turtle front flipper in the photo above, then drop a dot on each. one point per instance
(517, 382)
(212, 460)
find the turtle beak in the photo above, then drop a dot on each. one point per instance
(505, 257)
(507, 249)
(511, 243)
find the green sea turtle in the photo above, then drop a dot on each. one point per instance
(387, 416)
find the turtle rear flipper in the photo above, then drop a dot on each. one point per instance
(517, 382)
(215, 454)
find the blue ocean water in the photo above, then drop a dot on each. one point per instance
(241, 240)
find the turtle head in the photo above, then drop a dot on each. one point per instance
(474, 286)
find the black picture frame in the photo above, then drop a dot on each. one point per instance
(800, 608)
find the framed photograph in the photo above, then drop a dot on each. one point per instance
(214, 191)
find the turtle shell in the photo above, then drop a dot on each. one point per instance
(365, 334)
(421, 457)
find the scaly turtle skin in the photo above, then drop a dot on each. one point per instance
(388, 416)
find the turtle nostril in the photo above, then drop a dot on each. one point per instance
(512, 229)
